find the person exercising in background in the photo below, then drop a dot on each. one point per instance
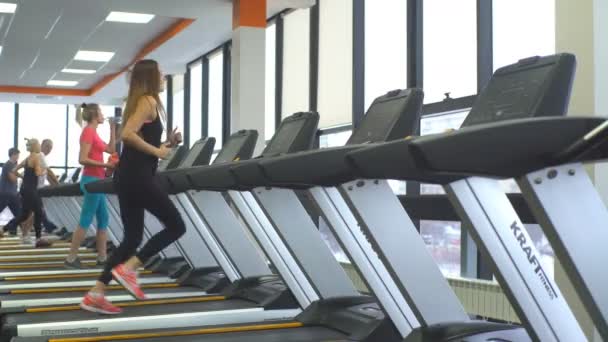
(46, 147)
(94, 204)
(32, 203)
(9, 196)
(138, 189)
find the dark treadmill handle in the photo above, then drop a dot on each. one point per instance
(506, 149)
(101, 186)
(301, 170)
(589, 141)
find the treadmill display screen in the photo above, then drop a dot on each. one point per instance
(284, 137)
(377, 122)
(194, 153)
(510, 96)
(231, 149)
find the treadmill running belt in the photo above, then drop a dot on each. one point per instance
(12, 320)
(301, 334)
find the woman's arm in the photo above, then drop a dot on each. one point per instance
(111, 146)
(37, 166)
(19, 167)
(144, 112)
(84, 159)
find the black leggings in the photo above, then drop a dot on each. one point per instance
(134, 198)
(32, 203)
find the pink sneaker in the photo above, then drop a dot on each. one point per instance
(128, 279)
(99, 304)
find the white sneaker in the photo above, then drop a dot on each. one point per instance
(28, 240)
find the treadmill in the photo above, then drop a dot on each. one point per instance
(249, 300)
(545, 155)
(200, 154)
(529, 89)
(340, 312)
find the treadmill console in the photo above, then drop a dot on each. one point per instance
(536, 86)
(390, 117)
(240, 146)
(175, 157)
(199, 154)
(296, 133)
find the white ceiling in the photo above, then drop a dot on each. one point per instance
(44, 35)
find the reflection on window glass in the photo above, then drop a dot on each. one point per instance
(216, 91)
(271, 68)
(296, 62)
(547, 257)
(334, 139)
(450, 49)
(178, 102)
(196, 100)
(522, 33)
(7, 129)
(442, 239)
(44, 121)
(385, 47)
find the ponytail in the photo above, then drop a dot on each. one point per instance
(86, 113)
(79, 114)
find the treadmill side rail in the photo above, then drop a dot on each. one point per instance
(497, 229)
(346, 229)
(573, 216)
(398, 244)
(277, 252)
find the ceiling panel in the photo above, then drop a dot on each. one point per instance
(52, 31)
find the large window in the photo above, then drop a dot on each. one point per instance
(271, 69)
(385, 47)
(522, 33)
(196, 100)
(296, 62)
(216, 92)
(44, 121)
(335, 62)
(178, 103)
(450, 49)
(7, 129)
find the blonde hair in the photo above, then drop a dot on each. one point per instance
(32, 145)
(87, 112)
(144, 80)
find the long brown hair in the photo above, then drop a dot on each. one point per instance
(145, 80)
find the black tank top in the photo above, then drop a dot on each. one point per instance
(135, 163)
(30, 179)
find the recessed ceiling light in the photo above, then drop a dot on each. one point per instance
(94, 56)
(6, 7)
(126, 17)
(79, 71)
(62, 83)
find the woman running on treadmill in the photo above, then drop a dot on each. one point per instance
(137, 188)
(94, 204)
(32, 203)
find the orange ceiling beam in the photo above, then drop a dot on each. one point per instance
(154, 44)
(250, 13)
(44, 91)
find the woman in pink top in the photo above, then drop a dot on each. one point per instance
(91, 158)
